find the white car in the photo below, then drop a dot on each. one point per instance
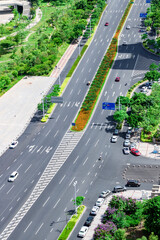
(126, 150)
(129, 130)
(83, 231)
(99, 202)
(105, 193)
(94, 210)
(124, 43)
(13, 144)
(13, 176)
(128, 27)
(144, 89)
(114, 139)
(126, 143)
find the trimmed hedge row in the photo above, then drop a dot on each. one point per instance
(99, 80)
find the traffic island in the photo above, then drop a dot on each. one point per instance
(71, 223)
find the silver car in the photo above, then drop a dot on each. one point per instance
(126, 150)
(126, 143)
(114, 139)
(13, 176)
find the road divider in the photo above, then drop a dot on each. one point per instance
(100, 78)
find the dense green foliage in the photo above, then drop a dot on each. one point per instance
(152, 215)
(123, 213)
(38, 56)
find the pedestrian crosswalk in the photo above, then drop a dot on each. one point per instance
(63, 151)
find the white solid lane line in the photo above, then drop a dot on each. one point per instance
(62, 179)
(71, 91)
(72, 181)
(2, 186)
(46, 201)
(19, 166)
(10, 189)
(28, 168)
(65, 118)
(57, 203)
(57, 118)
(96, 143)
(75, 159)
(85, 161)
(39, 228)
(87, 142)
(56, 133)
(27, 226)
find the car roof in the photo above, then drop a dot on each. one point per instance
(118, 186)
(84, 228)
(132, 180)
(14, 172)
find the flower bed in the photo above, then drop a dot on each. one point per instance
(99, 80)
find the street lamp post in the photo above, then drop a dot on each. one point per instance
(74, 184)
(79, 47)
(43, 102)
(59, 77)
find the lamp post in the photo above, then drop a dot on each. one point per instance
(74, 184)
(79, 47)
(43, 103)
(59, 77)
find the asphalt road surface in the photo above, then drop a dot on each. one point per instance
(49, 214)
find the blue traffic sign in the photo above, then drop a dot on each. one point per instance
(143, 15)
(73, 124)
(108, 106)
(148, 1)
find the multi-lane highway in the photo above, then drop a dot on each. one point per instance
(48, 215)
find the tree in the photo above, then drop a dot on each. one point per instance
(153, 67)
(144, 36)
(152, 75)
(120, 234)
(123, 100)
(151, 215)
(153, 237)
(119, 116)
(78, 201)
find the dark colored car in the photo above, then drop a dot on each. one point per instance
(133, 183)
(135, 152)
(89, 221)
(117, 79)
(106, 24)
(116, 132)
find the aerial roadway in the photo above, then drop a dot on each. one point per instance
(48, 213)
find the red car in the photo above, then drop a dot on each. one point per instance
(117, 79)
(135, 152)
(106, 24)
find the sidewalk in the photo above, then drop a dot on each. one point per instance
(18, 105)
(136, 194)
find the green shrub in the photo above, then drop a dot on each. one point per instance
(120, 234)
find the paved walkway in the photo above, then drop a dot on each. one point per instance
(136, 194)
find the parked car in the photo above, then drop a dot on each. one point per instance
(105, 193)
(128, 27)
(126, 150)
(13, 176)
(132, 145)
(126, 143)
(89, 221)
(129, 130)
(106, 24)
(94, 210)
(135, 152)
(83, 231)
(99, 202)
(133, 183)
(114, 139)
(88, 83)
(116, 132)
(13, 144)
(117, 79)
(128, 136)
(119, 189)
(124, 43)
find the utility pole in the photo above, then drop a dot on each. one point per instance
(74, 184)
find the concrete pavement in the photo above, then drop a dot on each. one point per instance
(136, 194)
